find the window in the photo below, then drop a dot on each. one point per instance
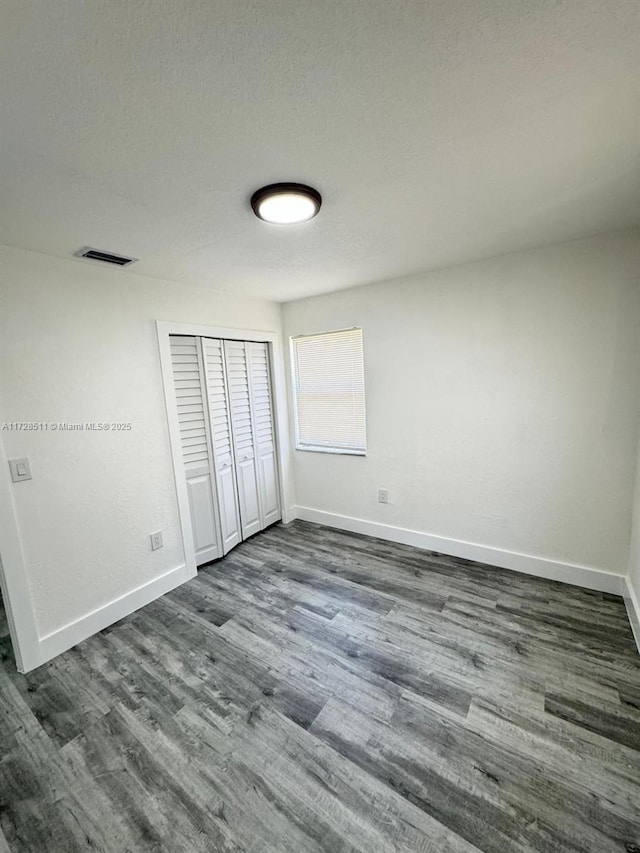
(328, 388)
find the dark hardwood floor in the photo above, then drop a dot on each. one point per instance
(318, 690)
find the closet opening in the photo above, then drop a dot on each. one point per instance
(221, 414)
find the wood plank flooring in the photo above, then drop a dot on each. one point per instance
(322, 691)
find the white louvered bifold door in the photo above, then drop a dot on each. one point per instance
(242, 432)
(186, 361)
(264, 438)
(221, 440)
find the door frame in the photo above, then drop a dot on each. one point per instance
(279, 402)
(16, 594)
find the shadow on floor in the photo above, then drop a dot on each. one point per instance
(6, 651)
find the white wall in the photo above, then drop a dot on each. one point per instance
(502, 402)
(78, 343)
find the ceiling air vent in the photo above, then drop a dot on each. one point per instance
(105, 257)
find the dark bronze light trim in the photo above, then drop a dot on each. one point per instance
(282, 189)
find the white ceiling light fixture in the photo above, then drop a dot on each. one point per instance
(286, 204)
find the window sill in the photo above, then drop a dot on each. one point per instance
(340, 451)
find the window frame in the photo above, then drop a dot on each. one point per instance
(311, 448)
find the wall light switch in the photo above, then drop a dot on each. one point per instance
(20, 469)
(383, 496)
(156, 540)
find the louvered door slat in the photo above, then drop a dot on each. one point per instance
(194, 443)
(263, 431)
(218, 412)
(242, 437)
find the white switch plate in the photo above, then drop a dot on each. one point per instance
(383, 496)
(156, 540)
(20, 469)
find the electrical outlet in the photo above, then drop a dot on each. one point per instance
(156, 540)
(383, 496)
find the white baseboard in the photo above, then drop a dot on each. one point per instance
(585, 576)
(633, 610)
(64, 638)
(86, 626)
(289, 514)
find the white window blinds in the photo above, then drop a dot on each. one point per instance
(328, 377)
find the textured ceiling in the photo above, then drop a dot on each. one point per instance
(438, 131)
